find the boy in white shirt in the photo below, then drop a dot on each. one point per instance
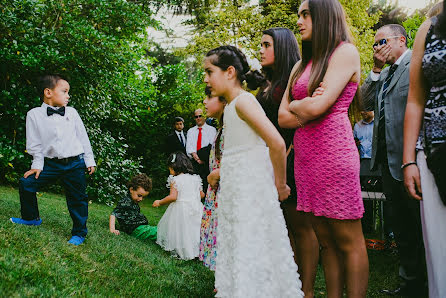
(58, 142)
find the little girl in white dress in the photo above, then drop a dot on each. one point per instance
(254, 256)
(179, 228)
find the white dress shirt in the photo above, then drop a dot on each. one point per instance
(207, 137)
(56, 136)
(375, 76)
(363, 131)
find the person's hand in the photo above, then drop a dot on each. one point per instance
(380, 56)
(357, 142)
(293, 106)
(156, 203)
(319, 90)
(32, 171)
(412, 181)
(213, 178)
(91, 170)
(283, 191)
(196, 158)
(116, 232)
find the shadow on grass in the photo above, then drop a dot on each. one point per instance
(37, 261)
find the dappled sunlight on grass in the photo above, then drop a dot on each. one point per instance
(37, 261)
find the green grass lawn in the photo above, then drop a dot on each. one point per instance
(37, 261)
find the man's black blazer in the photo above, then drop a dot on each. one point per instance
(173, 143)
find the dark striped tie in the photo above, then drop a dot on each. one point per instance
(181, 139)
(382, 148)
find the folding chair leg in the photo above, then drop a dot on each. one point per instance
(382, 218)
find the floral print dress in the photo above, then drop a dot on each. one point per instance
(208, 238)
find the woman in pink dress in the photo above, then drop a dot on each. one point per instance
(326, 158)
(279, 53)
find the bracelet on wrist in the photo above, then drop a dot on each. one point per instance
(405, 165)
(299, 122)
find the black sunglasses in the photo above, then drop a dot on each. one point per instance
(197, 116)
(383, 41)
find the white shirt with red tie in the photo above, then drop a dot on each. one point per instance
(207, 137)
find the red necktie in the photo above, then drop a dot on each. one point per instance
(199, 139)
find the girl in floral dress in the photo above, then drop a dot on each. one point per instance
(208, 237)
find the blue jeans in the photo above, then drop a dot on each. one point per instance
(72, 174)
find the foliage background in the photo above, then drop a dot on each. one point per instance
(124, 97)
(126, 87)
(239, 22)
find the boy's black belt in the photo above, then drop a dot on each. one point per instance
(65, 160)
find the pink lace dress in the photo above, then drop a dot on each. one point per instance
(326, 163)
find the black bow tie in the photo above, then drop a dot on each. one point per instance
(50, 111)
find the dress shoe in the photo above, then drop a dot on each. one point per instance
(408, 290)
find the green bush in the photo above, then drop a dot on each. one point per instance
(126, 104)
(113, 168)
(10, 160)
(178, 93)
(411, 25)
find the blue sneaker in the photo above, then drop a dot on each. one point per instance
(76, 240)
(35, 222)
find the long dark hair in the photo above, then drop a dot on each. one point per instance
(286, 55)
(226, 56)
(221, 99)
(440, 26)
(220, 124)
(180, 163)
(329, 30)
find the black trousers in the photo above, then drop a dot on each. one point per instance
(72, 175)
(203, 171)
(406, 225)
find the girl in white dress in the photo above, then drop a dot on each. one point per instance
(254, 253)
(179, 228)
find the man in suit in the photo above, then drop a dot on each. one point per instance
(385, 91)
(176, 141)
(199, 140)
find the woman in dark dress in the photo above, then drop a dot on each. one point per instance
(279, 53)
